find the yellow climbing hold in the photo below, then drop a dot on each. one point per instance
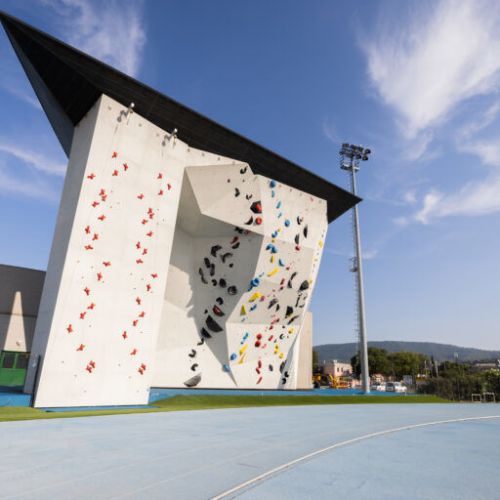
(281, 355)
(272, 259)
(255, 296)
(291, 330)
(273, 272)
(243, 349)
(243, 311)
(242, 359)
(320, 243)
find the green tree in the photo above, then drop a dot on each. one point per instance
(315, 361)
(407, 363)
(378, 362)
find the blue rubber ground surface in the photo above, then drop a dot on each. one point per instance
(200, 454)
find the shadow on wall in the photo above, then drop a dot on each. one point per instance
(20, 293)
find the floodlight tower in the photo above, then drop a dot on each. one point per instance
(350, 156)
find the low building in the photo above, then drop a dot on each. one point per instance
(337, 368)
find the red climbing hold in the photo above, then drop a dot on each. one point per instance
(106, 263)
(134, 323)
(115, 173)
(142, 314)
(138, 245)
(169, 187)
(144, 221)
(114, 155)
(99, 276)
(95, 203)
(69, 328)
(160, 176)
(133, 352)
(91, 306)
(258, 221)
(95, 237)
(138, 300)
(149, 234)
(125, 167)
(141, 196)
(89, 369)
(92, 363)
(143, 366)
(297, 247)
(82, 315)
(86, 290)
(259, 336)
(141, 371)
(148, 287)
(124, 335)
(260, 380)
(102, 217)
(81, 347)
(154, 275)
(139, 261)
(257, 370)
(144, 251)
(91, 176)
(87, 229)
(89, 247)
(160, 192)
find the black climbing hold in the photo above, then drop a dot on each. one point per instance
(232, 290)
(283, 380)
(212, 269)
(289, 311)
(219, 300)
(231, 265)
(291, 278)
(249, 196)
(226, 256)
(214, 250)
(238, 230)
(299, 220)
(218, 311)
(193, 381)
(201, 342)
(278, 308)
(287, 374)
(272, 303)
(304, 285)
(271, 368)
(236, 192)
(202, 276)
(282, 336)
(194, 366)
(305, 231)
(205, 334)
(256, 207)
(243, 170)
(214, 282)
(222, 283)
(293, 319)
(249, 221)
(207, 262)
(282, 366)
(297, 239)
(213, 325)
(236, 245)
(192, 354)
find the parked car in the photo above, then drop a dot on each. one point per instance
(396, 387)
(378, 386)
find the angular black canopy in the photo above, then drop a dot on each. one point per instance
(68, 83)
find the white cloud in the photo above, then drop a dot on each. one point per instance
(36, 160)
(487, 150)
(111, 31)
(330, 132)
(410, 197)
(33, 188)
(445, 53)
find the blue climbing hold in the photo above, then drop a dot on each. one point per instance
(287, 222)
(273, 194)
(280, 214)
(225, 368)
(274, 234)
(281, 263)
(233, 356)
(272, 183)
(278, 205)
(253, 307)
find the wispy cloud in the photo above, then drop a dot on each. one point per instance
(34, 187)
(446, 54)
(330, 132)
(111, 31)
(34, 159)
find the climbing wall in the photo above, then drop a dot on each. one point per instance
(245, 256)
(102, 301)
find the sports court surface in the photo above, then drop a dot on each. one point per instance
(372, 452)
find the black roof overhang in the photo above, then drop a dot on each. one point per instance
(68, 83)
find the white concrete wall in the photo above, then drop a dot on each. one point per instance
(124, 303)
(20, 291)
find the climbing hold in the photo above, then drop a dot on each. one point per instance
(194, 366)
(95, 204)
(91, 176)
(89, 247)
(243, 349)
(140, 196)
(200, 271)
(133, 352)
(226, 368)
(149, 234)
(255, 282)
(237, 244)
(212, 269)
(272, 303)
(293, 319)
(102, 217)
(243, 311)
(139, 261)
(86, 290)
(273, 193)
(214, 250)
(219, 300)
(297, 238)
(106, 263)
(154, 275)
(207, 262)
(258, 221)
(304, 285)
(320, 243)
(256, 207)
(243, 170)
(226, 256)
(232, 290)
(233, 356)
(305, 231)
(214, 282)
(91, 306)
(192, 354)
(213, 325)
(204, 333)
(272, 183)
(193, 381)
(114, 155)
(124, 335)
(222, 283)
(297, 247)
(201, 342)
(236, 192)
(115, 173)
(82, 315)
(281, 262)
(255, 296)
(218, 311)
(289, 285)
(249, 196)
(125, 167)
(278, 205)
(257, 343)
(299, 220)
(249, 221)
(273, 272)
(287, 222)
(289, 311)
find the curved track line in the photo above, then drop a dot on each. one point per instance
(280, 468)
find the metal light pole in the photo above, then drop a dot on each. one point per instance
(350, 155)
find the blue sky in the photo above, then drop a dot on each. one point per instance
(418, 82)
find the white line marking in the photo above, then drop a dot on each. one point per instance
(283, 467)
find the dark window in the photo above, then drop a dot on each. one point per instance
(8, 360)
(22, 361)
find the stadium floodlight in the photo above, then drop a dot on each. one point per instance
(350, 156)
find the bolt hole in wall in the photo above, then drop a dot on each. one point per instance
(13, 366)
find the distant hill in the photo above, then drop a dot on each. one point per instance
(441, 352)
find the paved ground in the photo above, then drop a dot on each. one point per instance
(201, 454)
